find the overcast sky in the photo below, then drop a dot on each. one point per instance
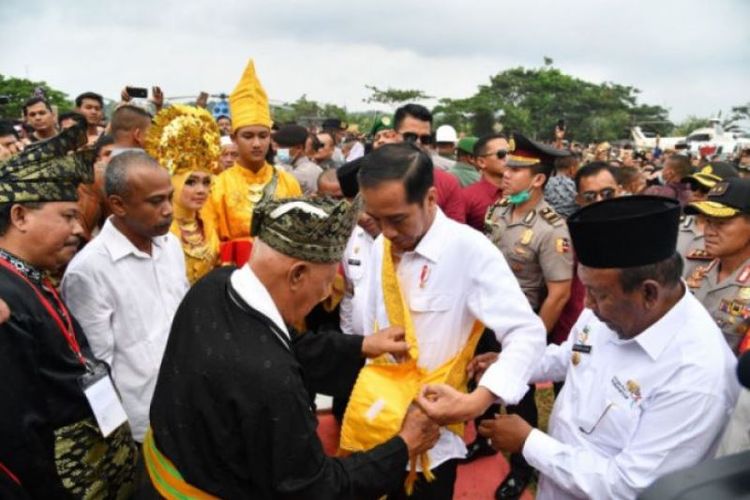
(691, 56)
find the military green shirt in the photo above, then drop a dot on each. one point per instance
(466, 174)
(536, 247)
(690, 245)
(728, 302)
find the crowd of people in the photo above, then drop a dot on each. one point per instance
(178, 285)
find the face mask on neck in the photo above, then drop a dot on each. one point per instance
(521, 197)
(283, 156)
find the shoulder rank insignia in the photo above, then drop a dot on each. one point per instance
(744, 275)
(698, 254)
(551, 216)
(529, 217)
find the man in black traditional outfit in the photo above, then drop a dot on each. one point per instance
(63, 433)
(231, 416)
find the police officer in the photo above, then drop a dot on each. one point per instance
(536, 244)
(723, 284)
(690, 238)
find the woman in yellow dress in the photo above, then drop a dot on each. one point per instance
(185, 140)
(252, 178)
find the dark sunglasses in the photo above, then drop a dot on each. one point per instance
(500, 153)
(604, 194)
(412, 137)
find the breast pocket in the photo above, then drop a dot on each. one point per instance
(431, 302)
(610, 423)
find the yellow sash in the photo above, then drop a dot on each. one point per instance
(384, 389)
(165, 477)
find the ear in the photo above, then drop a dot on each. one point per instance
(431, 198)
(19, 218)
(651, 291)
(117, 205)
(297, 275)
(538, 180)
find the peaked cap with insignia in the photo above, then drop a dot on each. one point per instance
(50, 170)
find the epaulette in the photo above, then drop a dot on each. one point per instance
(551, 216)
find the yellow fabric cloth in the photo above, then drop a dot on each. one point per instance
(248, 102)
(384, 389)
(234, 194)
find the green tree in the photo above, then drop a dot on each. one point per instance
(394, 96)
(18, 90)
(532, 101)
(689, 124)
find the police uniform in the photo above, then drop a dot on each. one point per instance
(690, 245)
(537, 247)
(690, 237)
(634, 409)
(727, 301)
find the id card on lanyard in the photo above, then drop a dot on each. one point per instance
(96, 383)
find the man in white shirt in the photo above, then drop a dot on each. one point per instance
(125, 285)
(649, 380)
(450, 276)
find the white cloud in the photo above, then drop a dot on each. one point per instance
(690, 56)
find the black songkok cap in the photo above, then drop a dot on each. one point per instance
(291, 135)
(629, 231)
(347, 175)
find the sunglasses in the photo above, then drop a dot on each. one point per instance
(500, 154)
(604, 194)
(412, 137)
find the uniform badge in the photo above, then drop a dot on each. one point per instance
(562, 245)
(575, 358)
(744, 293)
(424, 276)
(635, 391)
(698, 254)
(356, 250)
(526, 237)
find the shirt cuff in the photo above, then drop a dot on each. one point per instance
(539, 449)
(508, 389)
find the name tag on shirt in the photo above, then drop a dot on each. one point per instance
(586, 349)
(103, 400)
(354, 262)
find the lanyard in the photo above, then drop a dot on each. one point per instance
(65, 327)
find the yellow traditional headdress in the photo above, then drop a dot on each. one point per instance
(184, 139)
(248, 101)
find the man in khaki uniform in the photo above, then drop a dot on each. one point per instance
(536, 243)
(723, 285)
(690, 237)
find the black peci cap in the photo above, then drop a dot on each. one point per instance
(629, 231)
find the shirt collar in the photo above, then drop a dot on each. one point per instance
(433, 242)
(256, 295)
(119, 246)
(656, 337)
(32, 273)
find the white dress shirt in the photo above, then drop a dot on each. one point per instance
(256, 295)
(632, 410)
(125, 300)
(356, 261)
(454, 277)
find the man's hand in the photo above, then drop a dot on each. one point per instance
(124, 96)
(418, 431)
(389, 340)
(477, 366)
(157, 97)
(446, 405)
(506, 432)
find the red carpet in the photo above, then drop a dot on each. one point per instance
(477, 480)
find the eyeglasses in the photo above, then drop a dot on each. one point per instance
(603, 194)
(500, 154)
(412, 137)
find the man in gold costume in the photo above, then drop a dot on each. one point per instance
(252, 178)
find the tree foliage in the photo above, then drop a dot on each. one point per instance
(305, 111)
(18, 90)
(394, 96)
(533, 100)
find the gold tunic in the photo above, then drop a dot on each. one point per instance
(236, 191)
